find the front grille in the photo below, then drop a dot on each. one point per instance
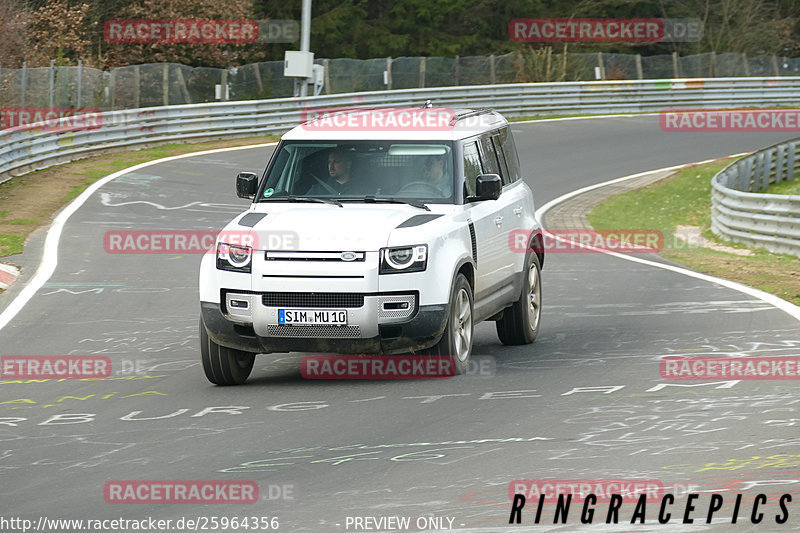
(314, 256)
(341, 300)
(322, 332)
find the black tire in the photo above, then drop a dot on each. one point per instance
(520, 322)
(456, 342)
(224, 366)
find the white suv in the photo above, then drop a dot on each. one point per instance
(365, 240)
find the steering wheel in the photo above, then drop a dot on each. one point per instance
(424, 185)
(325, 185)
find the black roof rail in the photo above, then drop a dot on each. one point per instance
(470, 113)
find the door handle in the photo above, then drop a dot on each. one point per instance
(498, 221)
(518, 211)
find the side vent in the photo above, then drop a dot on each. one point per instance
(251, 219)
(474, 242)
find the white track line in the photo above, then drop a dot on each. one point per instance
(50, 254)
(771, 299)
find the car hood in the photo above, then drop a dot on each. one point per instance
(354, 227)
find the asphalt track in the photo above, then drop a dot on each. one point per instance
(585, 401)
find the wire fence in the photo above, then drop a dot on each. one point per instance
(162, 84)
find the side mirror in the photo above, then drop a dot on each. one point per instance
(487, 187)
(246, 184)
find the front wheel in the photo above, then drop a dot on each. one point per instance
(222, 365)
(520, 322)
(456, 342)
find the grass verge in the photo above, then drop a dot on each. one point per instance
(786, 187)
(685, 199)
(31, 200)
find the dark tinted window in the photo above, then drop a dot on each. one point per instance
(472, 166)
(503, 165)
(489, 158)
(510, 152)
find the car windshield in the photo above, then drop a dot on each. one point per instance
(363, 170)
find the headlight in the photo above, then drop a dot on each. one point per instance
(233, 257)
(404, 259)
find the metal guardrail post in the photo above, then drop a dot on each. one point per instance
(80, 81)
(23, 83)
(137, 84)
(165, 84)
(52, 79)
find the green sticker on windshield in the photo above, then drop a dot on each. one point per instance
(269, 192)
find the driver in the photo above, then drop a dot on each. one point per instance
(434, 172)
(340, 166)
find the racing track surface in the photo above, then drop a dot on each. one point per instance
(321, 451)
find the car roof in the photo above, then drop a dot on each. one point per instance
(395, 124)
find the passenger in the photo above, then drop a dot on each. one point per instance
(435, 172)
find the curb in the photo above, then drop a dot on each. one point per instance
(8, 275)
(572, 213)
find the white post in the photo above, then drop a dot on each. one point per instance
(305, 40)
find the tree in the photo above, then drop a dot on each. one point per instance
(13, 21)
(193, 54)
(57, 31)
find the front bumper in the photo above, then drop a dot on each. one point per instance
(260, 332)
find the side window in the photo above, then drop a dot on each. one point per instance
(490, 163)
(510, 152)
(503, 164)
(472, 166)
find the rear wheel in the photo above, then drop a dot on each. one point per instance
(520, 322)
(222, 365)
(456, 341)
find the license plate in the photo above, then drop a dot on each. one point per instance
(304, 317)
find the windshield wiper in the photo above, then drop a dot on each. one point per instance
(374, 200)
(314, 200)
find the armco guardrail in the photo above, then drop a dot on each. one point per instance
(23, 151)
(740, 213)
